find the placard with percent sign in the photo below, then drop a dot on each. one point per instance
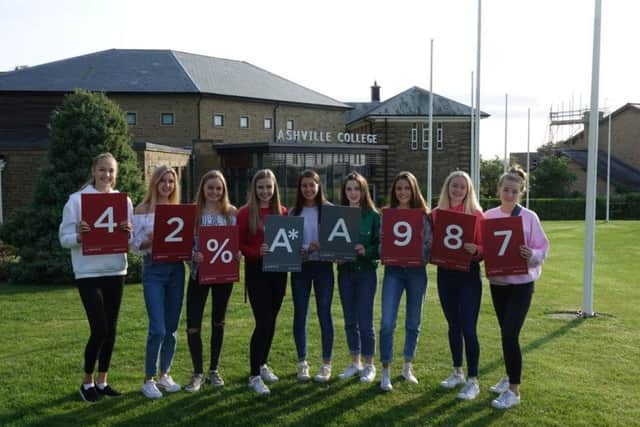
(501, 239)
(451, 231)
(219, 246)
(103, 212)
(401, 237)
(173, 233)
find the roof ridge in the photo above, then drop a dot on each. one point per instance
(185, 71)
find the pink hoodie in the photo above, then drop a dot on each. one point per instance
(534, 238)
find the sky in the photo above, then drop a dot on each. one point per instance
(538, 52)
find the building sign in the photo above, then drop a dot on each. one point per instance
(320, 136)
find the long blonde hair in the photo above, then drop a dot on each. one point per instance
(94, 163)
(226, 207)
(150, 200)
(417, 201)
(470, 201)
(253, 203)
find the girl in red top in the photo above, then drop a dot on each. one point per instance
(266, 289)
(460, 292)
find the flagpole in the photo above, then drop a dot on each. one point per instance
(476, 154)
(430, 156)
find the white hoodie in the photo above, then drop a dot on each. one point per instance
(88, 265)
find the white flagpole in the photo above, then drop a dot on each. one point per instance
(505, 160)
(608, 165)
(430, 156)
(528, 150)
(472, 126)
(592, 171)
(476, 154)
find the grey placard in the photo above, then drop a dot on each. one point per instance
(339, 233)
(283, 235)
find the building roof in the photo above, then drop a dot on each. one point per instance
(162, 71)
(622, 174)
(410, 103)
(603, 120)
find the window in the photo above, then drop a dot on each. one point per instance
(244, 122)
(268, 123)
(167, 119)
(290, 124)
(218, 120)
(439, 137)
(132, 118)
(414, 137)
(425, 137)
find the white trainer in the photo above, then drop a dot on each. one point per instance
(407, 373)
(351, 371)
(150, 390)
(197, 380)
(470, 391)
(501, 386)
(385, 383)
(258, 385)
(368, 374)
(267, 374)
(167, 383)
(454, 380)
(324, 374)
(506, 400)
(303, 371)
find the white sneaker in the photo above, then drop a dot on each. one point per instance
(258, 385)
(197, 380)
(368, 374)
(303, 371)
(506, 400)
(470, 391)
(350, 371)
(215, 378)
(150, 390)
(267, 374)
(167, 383)
(407, 373)
(385, 384)
(501, 386)
(453, 380)
(323, 374)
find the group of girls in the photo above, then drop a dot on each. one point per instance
(100, 280)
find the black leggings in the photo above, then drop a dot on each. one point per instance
(512, 303)
(266, 292)
(101, 298)
(196, 300)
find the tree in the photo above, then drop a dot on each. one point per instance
(490, 171)
(552, 177)
(87, 124)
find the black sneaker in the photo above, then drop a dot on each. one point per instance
(108, 391)
(88, 395)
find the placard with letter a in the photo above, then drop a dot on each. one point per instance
(283, 236)
(339, 233)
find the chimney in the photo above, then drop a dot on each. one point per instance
(375, 92)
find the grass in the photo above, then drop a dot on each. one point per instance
(576, 371)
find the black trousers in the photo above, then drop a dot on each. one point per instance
(197, 295)
(101, 298)
(266, 291)
(512, 303)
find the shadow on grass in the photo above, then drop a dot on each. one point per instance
(17, 289)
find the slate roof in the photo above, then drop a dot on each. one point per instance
(162, 71)
(622, 174)
(412, 102)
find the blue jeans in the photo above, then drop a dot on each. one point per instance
(357, 293)
(318, 274)
(163, 286)
(396, 280)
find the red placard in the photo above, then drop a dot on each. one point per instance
(219, 246)
(173, 233)
(450, 232)
(401, 237)
(103, 212)
(502, 238)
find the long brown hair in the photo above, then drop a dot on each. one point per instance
(226, 208)
(366, 203)
(417, 201)
(319, 199)
(253, 204)
(150, 200)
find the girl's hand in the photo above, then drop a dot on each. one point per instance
(239, 256)
(314, 246)
(146, 244)
(264, 249)
(359, 249)
(197, 257)
(525, 253)
(81, 227)
(125, 226)
(471, 248)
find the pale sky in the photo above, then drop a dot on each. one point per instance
(539, 52)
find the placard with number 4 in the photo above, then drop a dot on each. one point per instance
(103, 212)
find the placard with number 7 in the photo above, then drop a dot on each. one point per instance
(502, 238)
(450, 232)
(103, 212)
(402, 237)
(173, 233)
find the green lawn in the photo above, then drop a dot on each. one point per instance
(576, 372)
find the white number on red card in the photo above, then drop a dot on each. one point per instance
(172, 237)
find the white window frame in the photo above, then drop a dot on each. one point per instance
(414, 137)
(269, 121)
(291, 124)
(135, 118)
(218, 116)
(173, 119)
(247, 119)
(425, 136)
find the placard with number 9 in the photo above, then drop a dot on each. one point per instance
(173, 232)
(502, 238)
(402, 237)
(103, 212)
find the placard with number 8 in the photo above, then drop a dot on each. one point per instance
(173, 232)
(450, 232)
